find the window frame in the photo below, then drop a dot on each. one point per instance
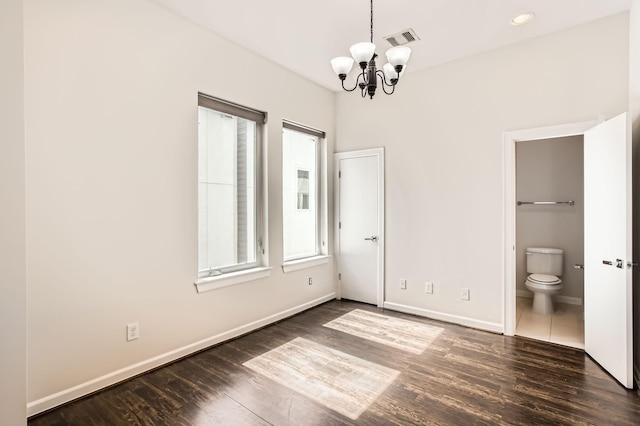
(208, 279)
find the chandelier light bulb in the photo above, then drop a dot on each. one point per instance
(363, 52)
(398, 56)
(342, 65)
(390, 73)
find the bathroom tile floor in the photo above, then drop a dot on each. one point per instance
(564, 327)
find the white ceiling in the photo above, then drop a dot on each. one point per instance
(304, 35)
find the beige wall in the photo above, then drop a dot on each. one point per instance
(442, 133)
(111, 145)
(13, 291)
(551, 170)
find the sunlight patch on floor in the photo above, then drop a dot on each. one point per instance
(409, 336)
(339, 381)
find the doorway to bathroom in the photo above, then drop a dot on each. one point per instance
(608, 254)
(550, 214)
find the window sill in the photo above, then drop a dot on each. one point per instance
(309, 262)
(232, 278)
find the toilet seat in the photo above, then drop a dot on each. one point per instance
(544, 279)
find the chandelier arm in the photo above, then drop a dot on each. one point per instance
(364, 86)
(356, 85)
(384, 89)
(349, 90)
(384, 79)
(385, 84)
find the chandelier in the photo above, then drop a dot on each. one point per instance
(365, 55)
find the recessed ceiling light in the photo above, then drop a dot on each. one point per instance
(523, 18)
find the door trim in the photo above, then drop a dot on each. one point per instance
(374, 152)
(509, 140)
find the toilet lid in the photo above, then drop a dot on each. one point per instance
(544, 279)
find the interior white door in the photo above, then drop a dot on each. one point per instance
(608, 247)
(360, 238)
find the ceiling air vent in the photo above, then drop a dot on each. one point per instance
(403, 37)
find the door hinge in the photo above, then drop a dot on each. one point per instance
(339, 175)
(339, 225)
(339, 276)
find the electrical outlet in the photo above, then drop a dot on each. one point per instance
(465, 294)
(428, 287)
(403, 284)
(133, 331)
(310, 281)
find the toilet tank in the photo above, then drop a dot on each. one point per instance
(542, 260)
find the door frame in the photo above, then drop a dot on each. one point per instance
(379, 154)
(510, 139)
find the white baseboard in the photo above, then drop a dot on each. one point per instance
(455, 319)
(568, 300)
(561, 299)
(112, 378)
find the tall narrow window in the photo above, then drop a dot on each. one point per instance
(229, 221)
(301, 172)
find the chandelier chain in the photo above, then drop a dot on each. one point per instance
(371, 21)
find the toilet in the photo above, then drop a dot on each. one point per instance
(544, 266)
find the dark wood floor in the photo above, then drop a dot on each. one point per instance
(464, 377)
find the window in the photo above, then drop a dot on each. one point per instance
(229, 182)
(301, 191)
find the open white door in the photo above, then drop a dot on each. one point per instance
(360, 239)
(608, 247)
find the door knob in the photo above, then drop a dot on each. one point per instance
(607, 262)
(372, 238)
